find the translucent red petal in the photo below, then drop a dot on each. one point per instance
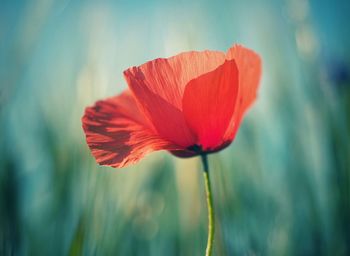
(249, 69)
(118, 134)
(209, 104)
(159, 85)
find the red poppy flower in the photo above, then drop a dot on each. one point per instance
(189, 104)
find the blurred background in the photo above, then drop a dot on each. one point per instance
(282, 187)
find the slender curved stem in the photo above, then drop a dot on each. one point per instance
(211, 216)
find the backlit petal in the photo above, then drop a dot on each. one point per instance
(118, 134)
(209, 103)
(159, 85)
(249, 69)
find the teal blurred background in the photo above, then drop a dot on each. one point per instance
(282, 187)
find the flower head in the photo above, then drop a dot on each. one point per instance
(189, 104)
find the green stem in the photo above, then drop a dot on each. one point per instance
(211, 216)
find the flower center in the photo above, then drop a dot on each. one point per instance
(196, 148)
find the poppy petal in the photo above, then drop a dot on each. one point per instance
(159, 85)
(118, 134)
(249, 68)
(209, 103)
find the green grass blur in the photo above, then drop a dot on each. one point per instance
(281, 188)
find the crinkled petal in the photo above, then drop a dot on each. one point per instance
(209, 104)
(159, 85)
(249, 69)
(117, 132)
